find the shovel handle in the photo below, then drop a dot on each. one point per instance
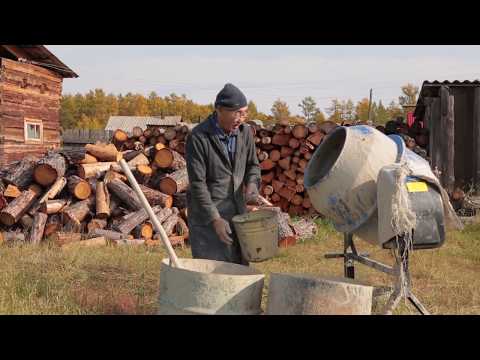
(158, 226)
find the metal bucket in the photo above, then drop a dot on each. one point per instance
(208, 287)
(257, 234)
(342, 174)
(299, 294)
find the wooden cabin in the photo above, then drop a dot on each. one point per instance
(31, 79)
(450, 110)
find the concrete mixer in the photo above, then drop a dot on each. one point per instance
(371, 186)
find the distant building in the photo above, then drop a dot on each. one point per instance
(127, 123)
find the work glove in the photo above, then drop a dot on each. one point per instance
(251, 194)
(222, 228)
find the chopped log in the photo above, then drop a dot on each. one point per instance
(267, 164)
(266, 140)
(38, 228)
(53, 225)
(286, 193)
(182, 228)
(316, 138)
(262, 156)
(281, 139)
(286, 151)
(169, 159)
(138, 146)
(88, 159)
(52, 206)
(104, 152)
(174, 182)
(102, 201)
(268, 190)
(140, 159)
(143, 173)
(282, 178)
(55, 189)
(143, 231)
(78, 187)
(295, 210)
(291, 184)
(306, 147)
(73, 156)
(268, 177)
(129, 144)
(304, 228)
(3, 202)
(264, 133)
(130, 154)
(277, 185)
(109, 234)
(125, 194)
(275, 197)
(143, 139)
(170, 134)
(161, 139)
(35, 188)
(268, 147)
(291, 174)
(169, 224)
(295, 159)
(302, 164)
(163, 214)
(300, 178)
(128, 242)
(26, 221)
(96, 224)
(313, 128)
(94, 170)
(155, 197)
(285, 163)
(99, 241)
(297, 200)
(293, 167)
(120, 136)
(18, 207)
(274, 155)
(137, 131)
(12, 192)
(11, 236)
(127, 225)
(180, 200)
(63, 238)
(77, 212)
(180, 148)
(307, 204)
(327, 127)
(294, 143)
(287, 130)
(111, 174)
(21, 175)
(300, 131)
(299, 188)
(49, 169)
(257, 140)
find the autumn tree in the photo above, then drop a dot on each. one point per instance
(280, 110)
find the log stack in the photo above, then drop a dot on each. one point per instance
(85, 191)
(283, 152)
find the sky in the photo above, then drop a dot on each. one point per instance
(265, 73)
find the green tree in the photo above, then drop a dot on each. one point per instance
(381, 114)
(309, 108)
(280, 110)
(334, 111)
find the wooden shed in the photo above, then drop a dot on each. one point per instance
(31, 79)
(451, 112)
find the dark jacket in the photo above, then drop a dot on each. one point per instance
(216, 186)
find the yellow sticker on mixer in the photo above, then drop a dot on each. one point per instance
(417, 186)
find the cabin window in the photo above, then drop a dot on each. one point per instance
(33, 130)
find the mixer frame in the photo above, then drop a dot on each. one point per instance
(399, 270)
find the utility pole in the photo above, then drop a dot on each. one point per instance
(370, 106)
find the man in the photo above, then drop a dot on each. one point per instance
(224, 175)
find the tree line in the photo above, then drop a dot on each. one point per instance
(93, 109)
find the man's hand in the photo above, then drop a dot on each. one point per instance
(251, 194)
(222, 228)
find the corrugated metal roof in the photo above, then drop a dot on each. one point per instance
(127, 123)
(454, 82)
(40, 54)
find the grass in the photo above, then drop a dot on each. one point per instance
(124, 280)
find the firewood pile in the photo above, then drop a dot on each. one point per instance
(283, 151)
(75, 195)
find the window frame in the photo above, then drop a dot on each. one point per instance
(30, 121)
